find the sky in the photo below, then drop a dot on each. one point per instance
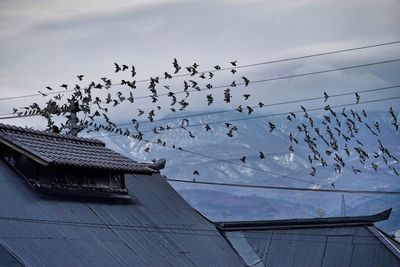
(47, 43)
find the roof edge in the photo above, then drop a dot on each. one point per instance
(260, 225)
(60, 136)
(386, 240)
(21, 149)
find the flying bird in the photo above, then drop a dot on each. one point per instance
(246, 81)
(357, 98)
(117, 67)
(133, 71)
(246, 96)
(176, 66)
(271, 126)
(326, 96)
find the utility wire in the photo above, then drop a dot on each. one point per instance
(267, 105)
(260, 169)
(233, 110)
(166, 230)
(377, 192)
(276, 78)
(233, 67)
(271, 115)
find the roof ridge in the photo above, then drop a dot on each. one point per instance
(42, 133)
(308, 222)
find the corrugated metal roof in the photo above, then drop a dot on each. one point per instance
(64, 150)
(158, 228)
(332, 243)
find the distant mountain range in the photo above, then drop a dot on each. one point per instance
(252, 136)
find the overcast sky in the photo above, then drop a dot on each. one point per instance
(47, 43)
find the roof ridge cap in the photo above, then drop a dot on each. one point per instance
(43, 133)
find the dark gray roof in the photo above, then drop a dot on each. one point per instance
(341, 241)
(158, 228)
(301, 223)
(65, 150)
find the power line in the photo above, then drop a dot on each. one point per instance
(277, 78)
(288, 188)
(237, 67)
(256, 81)
(267, 105)
(233, 110)
(273, 115)
(260, 169)
(164, 230)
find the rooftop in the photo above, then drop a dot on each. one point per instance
(65, 150)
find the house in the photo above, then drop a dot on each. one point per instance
(342, 241)
(70, 201)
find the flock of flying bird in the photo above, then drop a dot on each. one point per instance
(338, 127)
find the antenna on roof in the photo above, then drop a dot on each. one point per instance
(74, 127)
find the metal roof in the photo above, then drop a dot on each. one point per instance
(300, 223)
(64, 150)
(157, 228)
(340, 241)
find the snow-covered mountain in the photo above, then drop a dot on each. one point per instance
(280, 167)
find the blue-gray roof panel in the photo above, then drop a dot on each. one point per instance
(158, 228)
(318, 246)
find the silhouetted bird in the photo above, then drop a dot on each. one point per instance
(261, 155)
(117, 67)
(176, 66)
(133, 71)
(196, 173)
(246, 81)
(357, 98)
(271, 126)
(325, 96)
